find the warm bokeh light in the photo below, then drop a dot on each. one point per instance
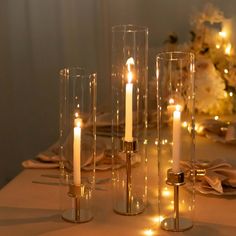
(164, 141)
(166, 192)
(148, 232)
(226, 71)
(216, 117)
(228, 49)
(171, 101)
(158, 219)
(222, 34)
(171, 206)
(199, 128)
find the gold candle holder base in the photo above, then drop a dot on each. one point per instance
(176, 223)
(78, 213)
(168, 224)
(133, 210)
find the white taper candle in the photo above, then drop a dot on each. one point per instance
(176, 140)
(129, 103)
(77, 152)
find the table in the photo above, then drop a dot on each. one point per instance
(32, 209)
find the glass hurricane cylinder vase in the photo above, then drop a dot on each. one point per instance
(175, 129)
(77, 143)
(129, 118)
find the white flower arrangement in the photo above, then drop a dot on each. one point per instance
(215, 78)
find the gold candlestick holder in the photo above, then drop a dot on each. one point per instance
(175, 72)
(129, 80)
(129, 147)
(126, 199)
(78, 101)
(80, 210)
(176, 223)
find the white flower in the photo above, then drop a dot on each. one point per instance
(209, 87)
(231, 77)
(209, 14)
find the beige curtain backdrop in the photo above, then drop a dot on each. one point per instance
(38, 37)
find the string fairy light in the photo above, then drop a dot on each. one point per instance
(226, 71)
(148, 232)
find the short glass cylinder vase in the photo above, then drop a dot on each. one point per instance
(176, 139)
(77, 143)
(129, 118)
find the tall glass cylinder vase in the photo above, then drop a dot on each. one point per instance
(175, 129)
(77, 143)
(129, 118)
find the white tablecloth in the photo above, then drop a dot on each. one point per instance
(32, 209)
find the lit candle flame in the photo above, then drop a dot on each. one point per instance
(77, 122)
(178, 108)
(130, 62)
(171, 101)
(130, 76)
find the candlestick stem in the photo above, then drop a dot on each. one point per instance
(176, 207)
(128, 181)
(77, 209)
(130, 203)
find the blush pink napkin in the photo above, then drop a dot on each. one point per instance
(219, 178)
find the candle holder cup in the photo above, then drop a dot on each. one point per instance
(176, 139)
(129, 118)
(77, 144)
